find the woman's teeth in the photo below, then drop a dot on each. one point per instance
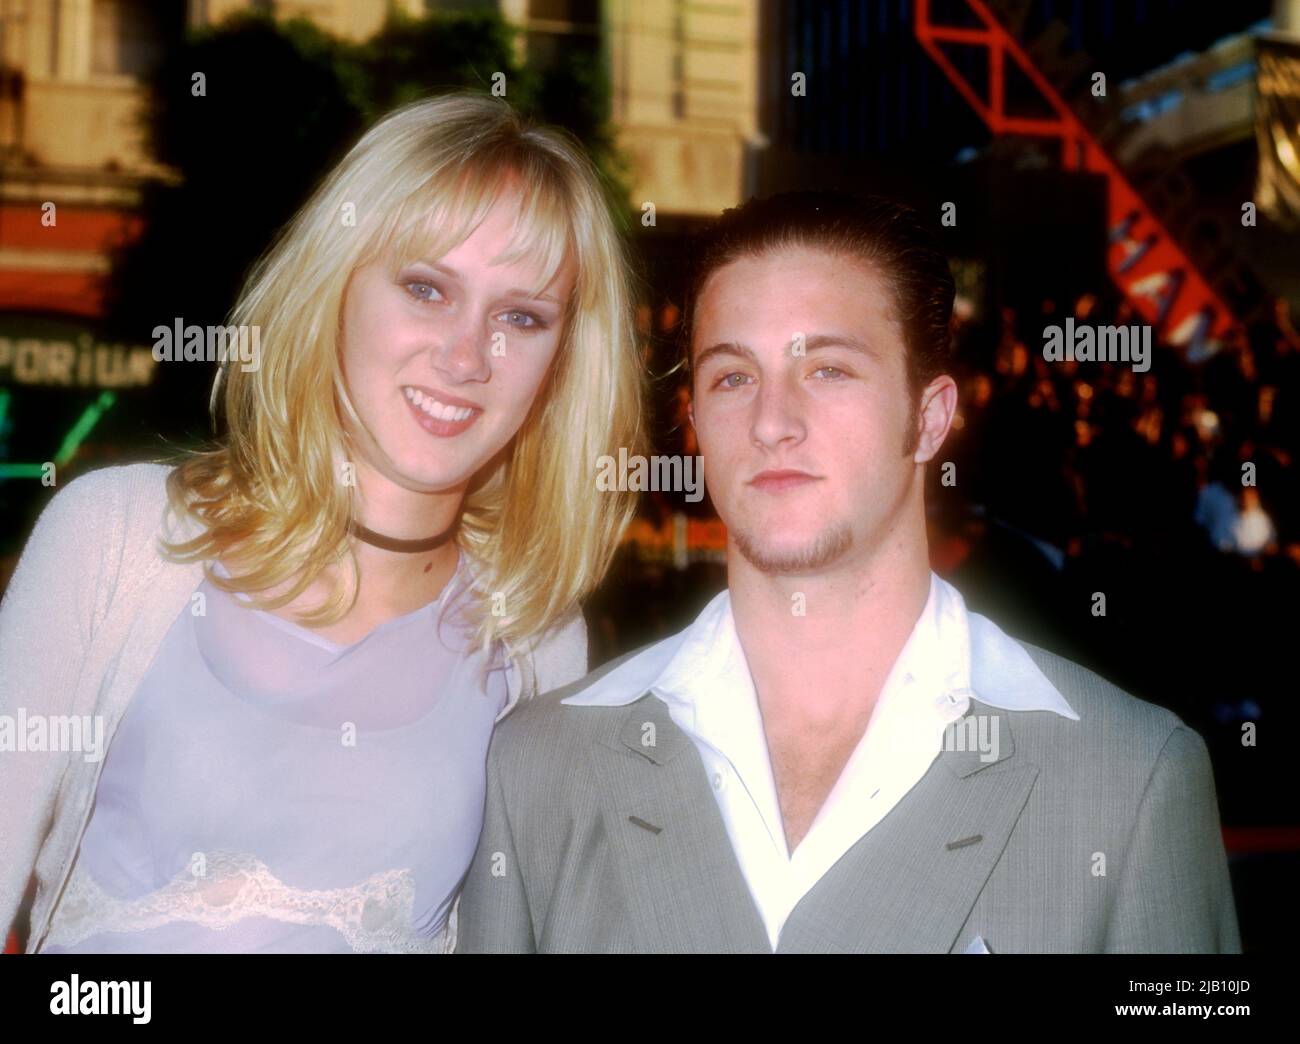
(434, 408)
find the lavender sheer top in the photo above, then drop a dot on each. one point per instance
(269, 790)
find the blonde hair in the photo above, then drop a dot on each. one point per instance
(534, 525)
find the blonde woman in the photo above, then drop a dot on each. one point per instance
(296, 644)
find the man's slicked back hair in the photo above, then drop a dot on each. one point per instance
(890, 237)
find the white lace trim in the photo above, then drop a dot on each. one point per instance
(373, 916)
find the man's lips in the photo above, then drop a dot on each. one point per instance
(438, 413)
(778, 480)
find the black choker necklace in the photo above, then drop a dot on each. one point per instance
(393, 544)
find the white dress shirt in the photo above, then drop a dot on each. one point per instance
(702, 676)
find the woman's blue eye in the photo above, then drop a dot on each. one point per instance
(423, 291)
(534, 322)
(414, 286)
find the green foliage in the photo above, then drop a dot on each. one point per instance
(410, 58)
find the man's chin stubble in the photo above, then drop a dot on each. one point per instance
(829, 546)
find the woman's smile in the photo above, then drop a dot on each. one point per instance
(437, 415)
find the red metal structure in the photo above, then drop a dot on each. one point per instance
(1145, 263)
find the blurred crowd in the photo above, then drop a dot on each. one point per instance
(1143, 524)
(1072, 452)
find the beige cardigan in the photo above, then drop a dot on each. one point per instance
(85, 613)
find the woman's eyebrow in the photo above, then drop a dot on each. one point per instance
(447, 270)
(535, 297)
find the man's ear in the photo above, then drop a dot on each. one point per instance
(690, 410)
(938, 407)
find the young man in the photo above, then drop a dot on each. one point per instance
(836, 755)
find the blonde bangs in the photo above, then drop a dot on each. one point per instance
(439, 217)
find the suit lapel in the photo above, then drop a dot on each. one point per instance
(909, 884)
(685, 889)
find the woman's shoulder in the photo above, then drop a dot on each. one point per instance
(95, 529)
(118, 510)
(120, 493)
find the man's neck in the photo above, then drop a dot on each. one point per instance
(820, 649)
(828, 641)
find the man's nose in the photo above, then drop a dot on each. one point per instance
(778, 415)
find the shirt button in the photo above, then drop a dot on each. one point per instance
(717, 781)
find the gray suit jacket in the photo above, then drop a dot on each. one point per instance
(1100, 835)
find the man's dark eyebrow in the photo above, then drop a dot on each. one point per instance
(447, 270)
(811, 344)
(724, 348)
(840, 341)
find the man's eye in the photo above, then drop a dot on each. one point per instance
(835, 372)
(726, 380)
